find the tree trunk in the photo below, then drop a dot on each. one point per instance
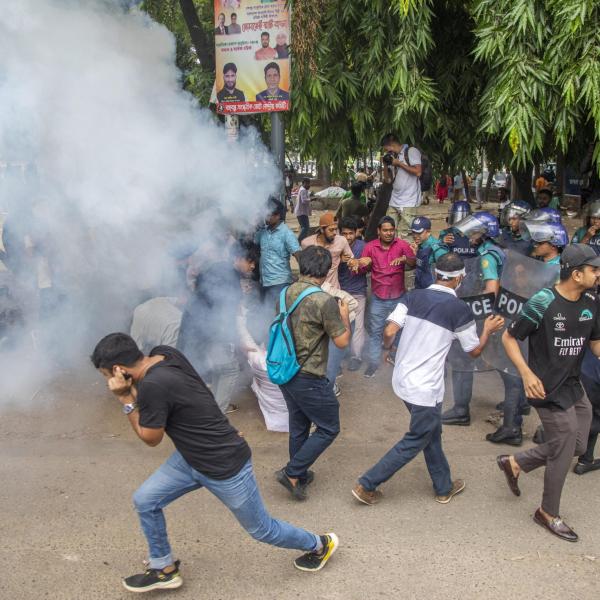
(522, 181)
(204, 48)
(324, 173)
(488, 184)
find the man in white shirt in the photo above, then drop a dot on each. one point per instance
(406, 192)
(431, 320)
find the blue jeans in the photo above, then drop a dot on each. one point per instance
(309, 400)
(239, 494)
(379, 311)
(514, 396)
(304, 223)
(424, 434)
(271, 296)
(336, 356)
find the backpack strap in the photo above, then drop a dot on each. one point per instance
(307, 292)
(405, 150)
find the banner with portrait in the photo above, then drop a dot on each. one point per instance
(252, 58)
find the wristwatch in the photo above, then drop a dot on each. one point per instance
(129, 408)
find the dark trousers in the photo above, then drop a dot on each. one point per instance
(424, 434)
(514, 396)
(304, 223)
(592, 389)
(566, 433)
(309, 400)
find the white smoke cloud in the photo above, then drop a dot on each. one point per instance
(126, 161)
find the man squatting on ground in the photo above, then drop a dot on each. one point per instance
(162, 393)
(559, 322)
(430, 319)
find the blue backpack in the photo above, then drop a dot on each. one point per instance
(282, 364)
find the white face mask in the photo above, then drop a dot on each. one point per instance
(459, 284)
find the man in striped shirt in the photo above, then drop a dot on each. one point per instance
(431, 319)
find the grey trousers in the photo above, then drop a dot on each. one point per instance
(566, 436)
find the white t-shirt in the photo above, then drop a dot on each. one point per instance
(406, 190)
(431, 320)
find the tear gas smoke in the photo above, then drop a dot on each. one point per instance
(105, 163)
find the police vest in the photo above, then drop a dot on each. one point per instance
(423, 272)
(518, 245)
(595, 243)
(461, 244)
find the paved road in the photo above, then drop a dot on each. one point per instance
(70, 465)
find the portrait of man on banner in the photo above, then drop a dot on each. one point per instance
(272, 79)
(229, 93)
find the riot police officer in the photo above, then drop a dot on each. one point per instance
(427, 249)
(548, 240)
(590, 232)
(451, 237)
(511, 217)
(482, 229)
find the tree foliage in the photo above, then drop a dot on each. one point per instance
(543, 61)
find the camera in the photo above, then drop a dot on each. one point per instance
(388, 158)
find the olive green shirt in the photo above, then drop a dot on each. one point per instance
(315, 320)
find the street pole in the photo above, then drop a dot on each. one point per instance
(278, 150)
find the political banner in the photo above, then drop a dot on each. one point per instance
(252, 57)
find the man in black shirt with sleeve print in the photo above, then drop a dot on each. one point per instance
(559, 322)
(162, 393)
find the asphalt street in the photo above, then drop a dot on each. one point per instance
(70, 465)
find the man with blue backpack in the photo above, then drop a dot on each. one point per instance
(297, 361)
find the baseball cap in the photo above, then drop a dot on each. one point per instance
(577, 255)
(420, 224)
(362, 177)
(327, 219)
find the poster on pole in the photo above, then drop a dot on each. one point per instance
(252, 57)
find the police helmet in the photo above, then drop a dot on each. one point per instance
(518, 208)
(543, 231)
(544, 215)
(480, 222)
(593, 209)
(458, 211)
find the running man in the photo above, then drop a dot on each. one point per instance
(559, 322)
(431, 319)
(162, 393)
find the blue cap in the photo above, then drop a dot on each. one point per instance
(420, 224)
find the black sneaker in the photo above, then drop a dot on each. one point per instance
(371, 370)
(154, 579)
(315, 561)
(297, 491)
(354, 364)
(504, 435)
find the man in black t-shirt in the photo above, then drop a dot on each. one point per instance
(559, 322)
(162, 393)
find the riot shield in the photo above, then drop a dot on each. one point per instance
(522, 277)
(482, 305)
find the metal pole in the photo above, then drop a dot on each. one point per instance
(278, 149)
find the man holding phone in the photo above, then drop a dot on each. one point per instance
(162, 393)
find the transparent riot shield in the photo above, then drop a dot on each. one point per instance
(521, 278)
(482, 305)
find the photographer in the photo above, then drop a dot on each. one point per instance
(403, 168)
